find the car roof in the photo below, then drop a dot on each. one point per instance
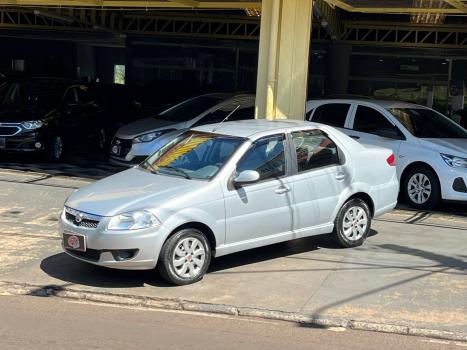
(381, 103)
(250, 128)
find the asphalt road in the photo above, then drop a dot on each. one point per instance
(48, 323)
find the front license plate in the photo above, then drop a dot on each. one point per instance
(2, 142)
(74, 241)
(116, 150)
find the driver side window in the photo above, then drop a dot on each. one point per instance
(266, 156)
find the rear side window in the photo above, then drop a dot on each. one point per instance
(333, 114)
(314, 149)
(369, 120)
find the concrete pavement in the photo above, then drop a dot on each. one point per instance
(410, 273)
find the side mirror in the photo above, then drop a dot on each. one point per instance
(246, 177)
(390, 134)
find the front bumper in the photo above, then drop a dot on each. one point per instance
(23, 142)
(452, 183)
(104, 248)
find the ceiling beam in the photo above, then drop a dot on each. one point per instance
(136, 3)
(401, 10)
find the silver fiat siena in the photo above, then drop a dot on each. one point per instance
(220, 189)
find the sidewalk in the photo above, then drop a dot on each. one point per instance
(411, 272)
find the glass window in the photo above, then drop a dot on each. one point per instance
(189, 109)
(314, 150)
(427, 123)
(333, 114)
(369, 120)
(193, 155)
(242, 113)
(266, 156)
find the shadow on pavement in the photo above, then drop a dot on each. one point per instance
(67, 269)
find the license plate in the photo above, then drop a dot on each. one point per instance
(74, 241)
(116, 150)
(2, 142)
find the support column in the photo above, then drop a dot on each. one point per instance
(337, 69)
(283, 59)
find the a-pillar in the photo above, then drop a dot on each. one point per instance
(283, 59)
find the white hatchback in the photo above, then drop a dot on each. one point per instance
(431, 149)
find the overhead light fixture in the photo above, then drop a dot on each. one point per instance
(53, 16)
(251, 12)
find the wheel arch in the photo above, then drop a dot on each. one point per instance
(413, 165)
(366, 198)
(199, 226)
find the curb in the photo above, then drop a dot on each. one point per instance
(11, 288)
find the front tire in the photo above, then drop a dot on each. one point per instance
(184, 257)
(352, 224)
(421, 188)
(55, 149)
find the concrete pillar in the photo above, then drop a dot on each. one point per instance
(283, 59)
(85, 62)
(337, 69)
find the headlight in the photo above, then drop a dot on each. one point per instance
(147, 137)
(135, 220)
(32, 124)
(454, 161)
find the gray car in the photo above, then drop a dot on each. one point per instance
(135, 141)
(223, 188)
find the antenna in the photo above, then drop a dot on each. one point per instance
(223, 120)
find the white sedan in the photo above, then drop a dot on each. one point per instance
(222, 188)
(431, 149)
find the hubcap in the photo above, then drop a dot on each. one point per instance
(355, 223)
(58, 147)
(189, 257)
(419, 188)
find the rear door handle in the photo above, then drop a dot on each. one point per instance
(340, 176)
(281, 190)
(355, 137)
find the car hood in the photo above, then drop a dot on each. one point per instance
(144, 126)
(455, 147)
(15, 114)
(132, 189)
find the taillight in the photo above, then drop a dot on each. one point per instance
(391, 160)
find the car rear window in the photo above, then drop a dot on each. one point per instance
(333, 114)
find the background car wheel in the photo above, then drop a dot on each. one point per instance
(421, 188)
(55, 150)
(185, 257)
(352, 223)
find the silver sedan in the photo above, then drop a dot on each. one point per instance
(223, 188)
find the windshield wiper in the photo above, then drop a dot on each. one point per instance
(177, 170)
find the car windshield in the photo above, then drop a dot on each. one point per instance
(427, 123)
(193, 155)
(189, 109)
(38, 94)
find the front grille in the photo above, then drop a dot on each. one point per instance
(80, 219)
(9, 130)
(89, 254)
(125, 146)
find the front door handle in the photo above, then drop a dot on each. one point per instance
(282, 190)
(340, 176)
(355, 137)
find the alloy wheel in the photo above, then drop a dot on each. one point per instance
(419, 188)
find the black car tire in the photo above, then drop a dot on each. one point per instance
(175, 243)
(55, 149)
(425, 176)
(349, 230)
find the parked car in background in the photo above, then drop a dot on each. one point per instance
(222, 188)
(431, 149)
(134, 142)
(27, 113)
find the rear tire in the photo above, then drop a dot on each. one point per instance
(421, 189)
(352, 224)
(184, 257)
